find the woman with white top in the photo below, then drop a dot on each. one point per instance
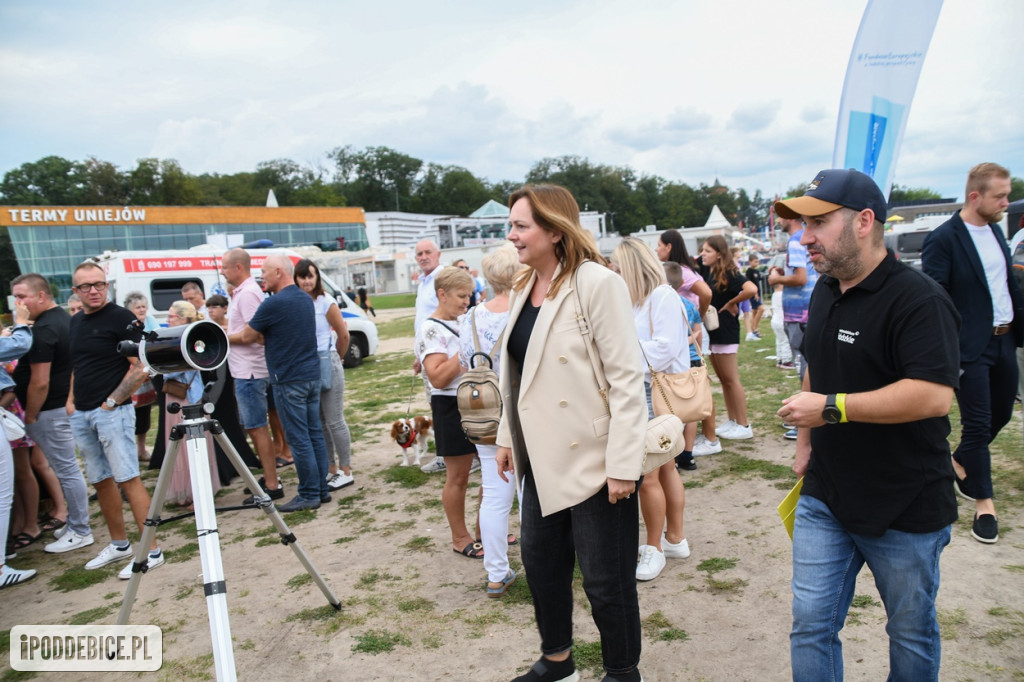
(488, 320)
(660, 325)
(332, 375)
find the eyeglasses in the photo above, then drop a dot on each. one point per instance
(462, 267)
(83, 288)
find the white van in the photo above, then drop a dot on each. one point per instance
(159, 275)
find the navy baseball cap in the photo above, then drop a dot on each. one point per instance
(834, 189)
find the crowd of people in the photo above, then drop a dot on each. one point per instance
(575, 340)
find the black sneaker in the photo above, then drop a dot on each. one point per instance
(273, 494)
(546, 670)
(985, 529)
(687, 464)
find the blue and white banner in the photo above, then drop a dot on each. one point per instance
(880, 81)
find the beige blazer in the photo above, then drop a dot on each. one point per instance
(555, 412)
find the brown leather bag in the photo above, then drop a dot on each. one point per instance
(175, 389)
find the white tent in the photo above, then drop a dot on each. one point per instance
(717, 219)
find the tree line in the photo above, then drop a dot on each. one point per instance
(384, 179)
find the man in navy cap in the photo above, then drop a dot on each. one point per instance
(882, 363)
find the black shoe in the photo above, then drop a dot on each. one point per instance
(325, 498)
(633, 676)
(272, 494)
(546, 670)
(985, 529)
(298, 503)
(687, 464)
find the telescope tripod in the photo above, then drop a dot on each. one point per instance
(193, 429)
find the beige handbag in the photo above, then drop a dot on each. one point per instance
(686, 395)
(711, 318)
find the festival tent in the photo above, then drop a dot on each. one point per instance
(717, 219)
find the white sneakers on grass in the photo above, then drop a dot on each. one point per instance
(679, 550)
(650, 564)
(734, 431)
(12, 576)
(702, 446)
(109, 555)
(151, 563)
(68, 541)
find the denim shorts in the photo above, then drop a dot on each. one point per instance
(106, 441)
(251, 396)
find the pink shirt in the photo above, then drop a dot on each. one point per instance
(685, 290)
(246, 360)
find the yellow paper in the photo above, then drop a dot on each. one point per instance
(787, 508)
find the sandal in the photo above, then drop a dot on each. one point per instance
(510, 539)
(473, 550)
(23, 540)
(49, 523)
(282, 462)
(496, 592)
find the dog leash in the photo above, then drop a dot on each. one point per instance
(412, 388)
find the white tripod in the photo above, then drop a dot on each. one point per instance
(193, 428)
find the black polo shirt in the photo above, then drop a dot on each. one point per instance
(895, 324)
(98, 369)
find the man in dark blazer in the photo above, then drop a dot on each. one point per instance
(969, 257)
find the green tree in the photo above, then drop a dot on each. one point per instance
(1016, 189)
(162, 183)
(50, 181)
(104, 183)
(377, 178)
(448, 190)
(901, 193)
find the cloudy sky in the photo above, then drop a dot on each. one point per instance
(743, 90)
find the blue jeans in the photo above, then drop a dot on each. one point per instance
(826, 561)
(106, 441)
(602, 537)
(298, 406)
(986, 399)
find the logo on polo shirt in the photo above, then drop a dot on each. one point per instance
(846, 336)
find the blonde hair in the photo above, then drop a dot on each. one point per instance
(639, 267)
(555, 210)
(185, 311)
(500, 267)
(450, 278)
(979, 177)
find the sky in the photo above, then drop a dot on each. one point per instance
(744, 91)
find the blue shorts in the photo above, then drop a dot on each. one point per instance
(106, 441)
(745, 306)
(251, 396)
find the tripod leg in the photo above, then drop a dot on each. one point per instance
(156, 506)
(264, 503)
(209, 551)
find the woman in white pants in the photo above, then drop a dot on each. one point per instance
(11, 348)
(499, 267)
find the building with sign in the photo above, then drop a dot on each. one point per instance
(52, 240)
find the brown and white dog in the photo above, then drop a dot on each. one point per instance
(411, 434)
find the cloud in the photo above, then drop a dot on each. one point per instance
(754, 117)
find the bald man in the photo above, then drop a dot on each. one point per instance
(287, 322)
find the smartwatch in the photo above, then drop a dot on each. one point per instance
(110, 402)
(831, 414)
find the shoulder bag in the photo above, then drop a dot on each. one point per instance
(14, 428)
(687, 394)
(711, 318)
(663, 440)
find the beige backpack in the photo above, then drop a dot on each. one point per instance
(478, 395)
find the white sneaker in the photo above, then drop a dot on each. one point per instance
(12, 576)
(679, 550)
(650, 564)
(706, 447)
(59, 533)
(725, 427)
(109, 555)
(151, 563)
(738, 432)
(434, 467)
(751, 336)
(340, 480)
(68, 541)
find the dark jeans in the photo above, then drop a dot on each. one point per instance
(298, 406)
(986, 397)
(603, 538)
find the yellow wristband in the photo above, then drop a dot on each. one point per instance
(841, 404)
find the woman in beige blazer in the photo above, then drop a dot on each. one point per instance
(577, 454)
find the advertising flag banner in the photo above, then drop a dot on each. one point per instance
(880, 81)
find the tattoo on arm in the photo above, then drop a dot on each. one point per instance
(133, 378)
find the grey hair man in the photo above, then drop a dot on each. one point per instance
(428, 257)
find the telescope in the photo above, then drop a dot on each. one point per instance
(201, 345)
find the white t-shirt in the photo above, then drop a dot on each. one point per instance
(666, 349)
(322, 304)
(426, 300)
(437, 338)
(489, 327)
(994, 262)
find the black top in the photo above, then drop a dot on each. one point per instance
(98, 368)
(896, 324)
(519, 338)
(728, 325)
(50, 343)
(756, 276)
